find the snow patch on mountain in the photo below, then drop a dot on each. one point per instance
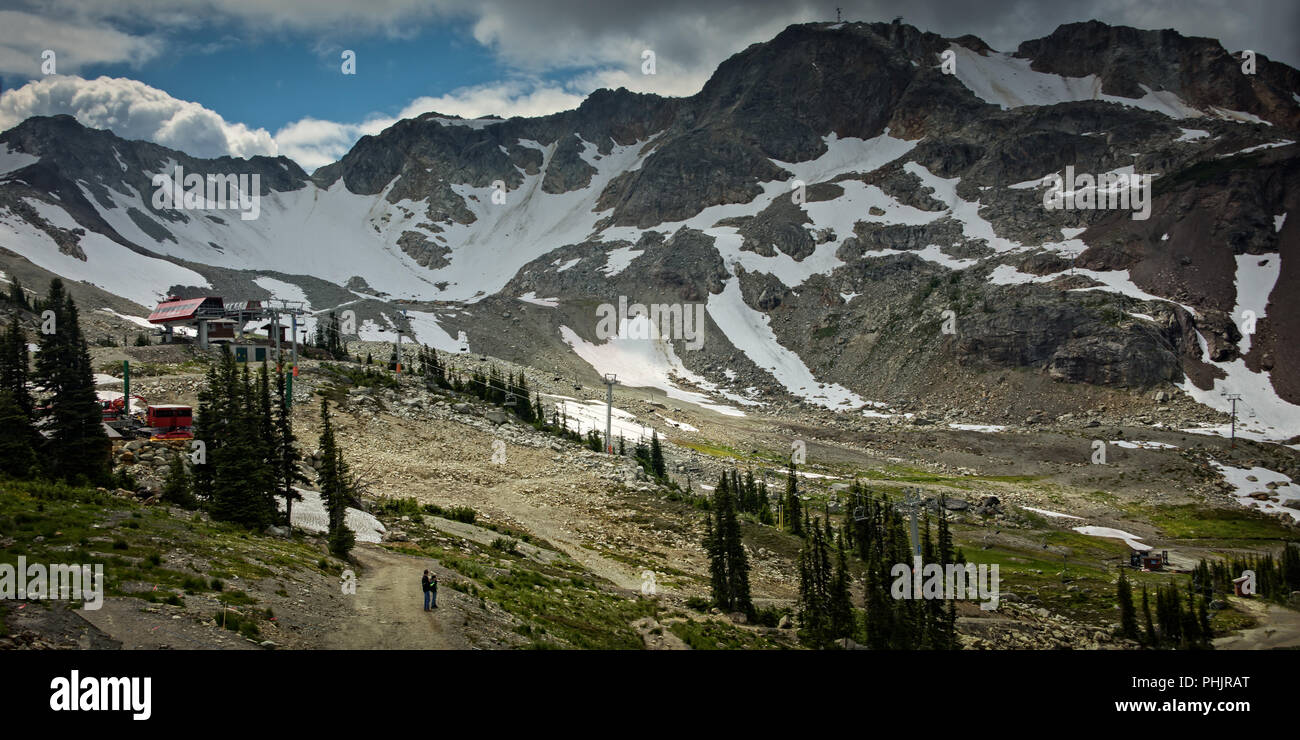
(1287, 493)
(12, 161)
(108, 265)
(503, 238)
(749, 332)
(617, 260)
(1256, 276)
(1261, 413)
(282, 290)
(1009, 82)
(645, 363)
(531, 297)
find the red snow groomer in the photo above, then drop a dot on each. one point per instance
(160, 421)
(169, 421)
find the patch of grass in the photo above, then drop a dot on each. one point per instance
(1196, 522)
(1227, 621)
(698, 603)
(714, 450)
(716, 635)
(237, 597)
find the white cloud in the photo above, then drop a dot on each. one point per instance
(505, 99)
(134, 110)
(314, 143)
(26, 36)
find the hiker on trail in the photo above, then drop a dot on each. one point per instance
(433, 588)
(424, 584)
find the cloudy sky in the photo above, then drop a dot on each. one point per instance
(246, 77)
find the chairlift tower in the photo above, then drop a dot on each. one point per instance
(294, 309)
(912, 504)
(1234, 397)
(611, 380)
(398, 328)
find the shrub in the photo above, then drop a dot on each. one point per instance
(463, 514)
(506, 544)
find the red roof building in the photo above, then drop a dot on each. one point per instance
(187, 310)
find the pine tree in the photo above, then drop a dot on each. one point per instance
(713, 548)
(14, 367)
(1152, 637)
(78, 446)
(206, 425)
(1128, 625)
(793, 510)
(1203, 620)
(333, 483)
(17, 458)
(17, 296)
(657, 467)
(286, 455)
(737, 560)
(19, 440)
(841, 605)
(176, 487)
(814, 591)
(242, 479)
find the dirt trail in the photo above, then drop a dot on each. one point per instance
(1279, 627)
(388, 612)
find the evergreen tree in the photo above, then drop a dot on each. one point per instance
(793, 510)
(14, 367)
(78, 446)
(19, 440)
(333, 482)
(728, 564)
(206, 429)
(17, 457)
(814, 591)
(1203, 621)
(840, 605)
(286, 455)
(1128, 625)
(17, 296)
(715, 551)
(242, 479)
(1152, 638)
(657, 468)
(176, 487)
(737, 560)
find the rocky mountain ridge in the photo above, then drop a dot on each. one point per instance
(921, 195)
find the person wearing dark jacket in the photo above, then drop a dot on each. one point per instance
(424, 584)
(433, 588)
